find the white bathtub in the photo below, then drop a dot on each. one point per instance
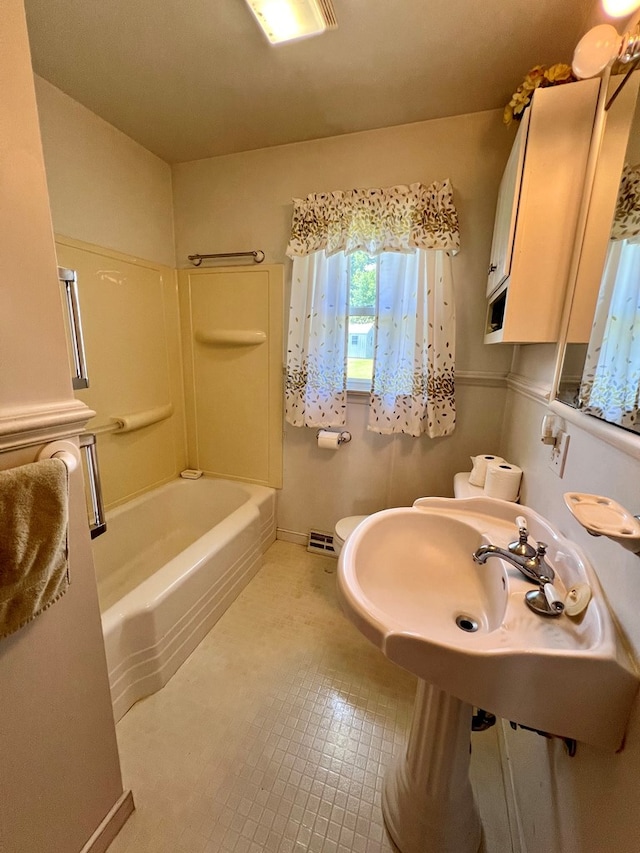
(169, 565)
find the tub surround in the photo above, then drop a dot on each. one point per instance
(132, 340)
(174, 559)
(232, 338)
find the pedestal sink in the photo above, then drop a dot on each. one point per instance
(407, 580)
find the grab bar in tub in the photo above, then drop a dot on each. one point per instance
(70, 281)
(135, 420)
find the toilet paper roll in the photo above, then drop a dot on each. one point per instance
(479, 472)
(503, 481)
(328, 440)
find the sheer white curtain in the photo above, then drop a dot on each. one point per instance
(316, 374)
(611, 381)
(414, 364)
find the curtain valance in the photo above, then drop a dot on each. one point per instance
(391, 219)
(626, 220)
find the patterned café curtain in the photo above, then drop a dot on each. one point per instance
(611, 380)
(416, 227)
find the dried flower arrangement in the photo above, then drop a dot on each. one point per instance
(538, 78)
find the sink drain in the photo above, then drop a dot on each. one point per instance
(466, 623)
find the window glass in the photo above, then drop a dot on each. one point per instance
(363, 286)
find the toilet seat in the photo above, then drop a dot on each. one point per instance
(346, 526)
(343, 529)
(462, 488)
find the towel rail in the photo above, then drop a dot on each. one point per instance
(65, 451)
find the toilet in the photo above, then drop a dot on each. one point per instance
(462, 488)
(344, 528)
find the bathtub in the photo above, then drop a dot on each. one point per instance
(169, 565)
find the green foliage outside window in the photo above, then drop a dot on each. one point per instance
(363, 275)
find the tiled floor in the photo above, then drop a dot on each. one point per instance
(276, 732)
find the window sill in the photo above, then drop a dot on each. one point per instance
(358, 388)
(359, 396)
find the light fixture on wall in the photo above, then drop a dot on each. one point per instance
(289, 20)
(603, 45)
(620, 8)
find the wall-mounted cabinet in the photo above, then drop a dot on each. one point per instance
(536, 216)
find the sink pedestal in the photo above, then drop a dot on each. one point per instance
(427, 801)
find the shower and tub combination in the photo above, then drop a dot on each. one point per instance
(163, 348)
(171, 563)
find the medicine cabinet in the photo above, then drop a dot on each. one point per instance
(536, 215)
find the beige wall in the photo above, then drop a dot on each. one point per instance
(26, 241)
(243, 202)
(586, 804)
(60, 767)
(105, 188)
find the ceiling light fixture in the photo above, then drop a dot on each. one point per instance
(288, 20)
(620, 8)
(601, 46)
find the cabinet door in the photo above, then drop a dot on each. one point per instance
(507, 210)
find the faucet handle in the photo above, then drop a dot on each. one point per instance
(522, 547)
(544, 569)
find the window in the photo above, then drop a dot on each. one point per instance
(362, 273)
(372, 308)
(611, 380)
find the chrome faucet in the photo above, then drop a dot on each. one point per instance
(530, 561)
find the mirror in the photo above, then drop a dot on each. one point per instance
(601, 367)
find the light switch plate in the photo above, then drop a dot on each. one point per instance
(559, 453)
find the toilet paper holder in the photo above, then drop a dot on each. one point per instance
(343, 437)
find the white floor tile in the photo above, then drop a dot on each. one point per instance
(276, 733)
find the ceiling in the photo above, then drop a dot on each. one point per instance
(190, 79)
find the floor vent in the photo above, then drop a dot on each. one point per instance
(320, 543)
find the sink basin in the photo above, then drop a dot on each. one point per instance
(407, 580)
(414, 574)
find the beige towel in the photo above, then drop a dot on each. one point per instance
(34, 517)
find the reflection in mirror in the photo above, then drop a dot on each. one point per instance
(601, 368)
